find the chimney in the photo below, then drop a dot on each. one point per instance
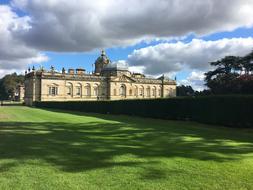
(71, 71)
(80, 71)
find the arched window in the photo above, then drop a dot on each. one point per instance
(122, 90)
(69, 89)
(79, 89)
(130, 92)
(95, 89)
(87, 91)
(141, 91)
(154, 91)
(148, 91)
(136, 91)
(160, 91)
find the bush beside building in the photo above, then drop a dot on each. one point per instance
(233, 111)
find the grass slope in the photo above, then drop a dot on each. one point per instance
(45, 149)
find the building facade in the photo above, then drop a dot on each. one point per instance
(108, 82)
(20, 93)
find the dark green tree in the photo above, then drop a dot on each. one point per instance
(247, 63)
(9, 84)
(232, 75)
(185, 91)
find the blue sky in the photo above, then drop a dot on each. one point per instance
(173, 41)
(85, 60)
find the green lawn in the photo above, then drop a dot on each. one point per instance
(43, 149)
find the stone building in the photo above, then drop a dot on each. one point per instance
(20, 93)
(108, 82)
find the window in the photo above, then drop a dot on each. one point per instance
(142, 92)
(87, 90)
(130, 92)
(136, 91)
(78, 91)
(148, 92)
(115, 92)
(53, 91)
(154, 92)
(95, 90)
(122, 90)
(69, 90)
(159, 92)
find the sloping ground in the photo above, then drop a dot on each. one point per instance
(46, 149)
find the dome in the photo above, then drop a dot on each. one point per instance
(103, 59)
(101, 62)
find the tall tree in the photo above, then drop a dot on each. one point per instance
(9, 84)
(231, 75)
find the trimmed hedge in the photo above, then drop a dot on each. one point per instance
(234, 111)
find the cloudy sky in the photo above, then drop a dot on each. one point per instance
(171, 37)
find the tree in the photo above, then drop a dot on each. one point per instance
(204, 92)
(9, 84)
(185, 91)
(232, 75)
(225, 66)
(247, 63)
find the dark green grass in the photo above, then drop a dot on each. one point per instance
(47, 149)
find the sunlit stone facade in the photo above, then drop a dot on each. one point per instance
(108, 82)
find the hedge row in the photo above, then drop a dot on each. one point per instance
(234, 111)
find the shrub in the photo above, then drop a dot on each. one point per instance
(233, 110)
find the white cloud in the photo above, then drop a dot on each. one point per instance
(120, 63)
(195, 80)
(137, 69)
(169, 58)
(15, 55)
(172, 57)
(84, 25)
(10, 71)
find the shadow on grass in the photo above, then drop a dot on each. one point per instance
(74, 147)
